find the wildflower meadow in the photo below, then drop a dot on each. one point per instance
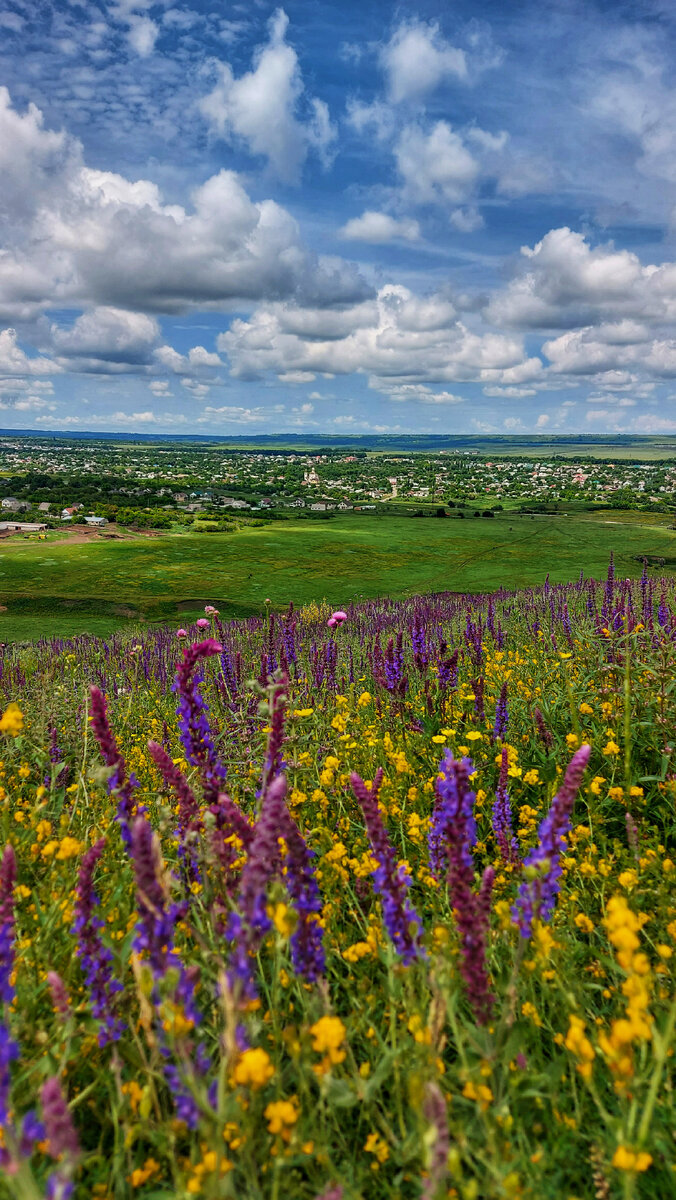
(349, 904)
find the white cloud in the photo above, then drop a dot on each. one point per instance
(378, 228)
(184, 364)
(261, 107)
(141, 418)
(435, 167)
(142, 35)
(466, 220)
(160, 387)
(14, 361)
(86, 237)
(297, 377)
(33, 404)
(106, 336)
(564, 282)
(419, 392)
(542, 421)
(402, 336)
(417, 59)
(235, 414)
(513, 393)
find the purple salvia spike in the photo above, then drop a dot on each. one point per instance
(391, 881)
(95, 958)
(119, 782)
(537, 896)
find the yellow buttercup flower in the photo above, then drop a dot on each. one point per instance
(11, 720)
(254, 1068)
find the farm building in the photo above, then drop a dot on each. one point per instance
(21, 527)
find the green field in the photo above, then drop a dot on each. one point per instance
(63, 588)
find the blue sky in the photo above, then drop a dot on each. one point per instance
(339, 217)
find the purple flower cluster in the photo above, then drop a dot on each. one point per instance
(9, 1050)
(158, 917)
(537, 894)
(248, 926)
(501, 715)
(274, 760)
(502, 815)
(32, 1130)
(390, 880)
(307, 948)
(452, 836)
(189, 820)
(118, 781)
(193, 721)
(95, 958)
(64, 1146)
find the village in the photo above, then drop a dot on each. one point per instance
(92, 484)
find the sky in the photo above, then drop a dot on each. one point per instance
(354, 217)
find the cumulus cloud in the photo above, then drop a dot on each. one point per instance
(107, 337)
(141, 32)
(379, 227)
(400, 337)
(184, 364)
(14, 360)
(563, 282)
(93, 237)
(261, 108)
(435, 166)
(404, 392)
(416, 60)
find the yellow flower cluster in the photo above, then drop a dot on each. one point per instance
(623, 926)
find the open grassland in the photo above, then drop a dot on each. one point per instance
(451, 982)
(65, 587)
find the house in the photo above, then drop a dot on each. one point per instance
(230, 502)
(21, 527)
(13, 505)
(320, 506)
(97, 521)
(44, 507)
(67, 514)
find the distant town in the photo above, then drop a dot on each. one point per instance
(48, 485)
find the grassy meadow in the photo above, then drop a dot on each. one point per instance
(60, 588)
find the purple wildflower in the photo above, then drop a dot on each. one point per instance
(157, 915)
(59, 994)
(391, 881)
(452, 836)
(248, 926)
(502, 815)
(501, 715)
(543, 732)
(9, 1050)
(274, 761)
(453, 807)
(118, 781)
(63, 1141)
(307, 950)
(95, 958)
(632, 834)
(189, 819)
(447, 669)
(537, 894)
(193, 720)
(7, 882)
(436, 1115)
